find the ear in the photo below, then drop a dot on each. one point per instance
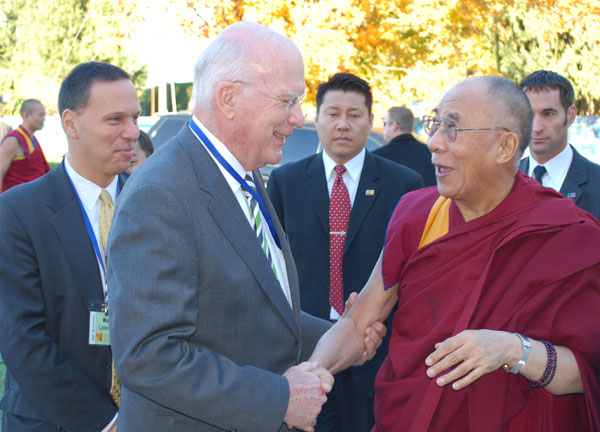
(507, 148)
(571, 114)
(371, 119)
(227, 97)
(69, 123)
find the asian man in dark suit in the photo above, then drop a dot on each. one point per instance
(552, 160)
(334, 207)
(50, 271)
(204, 306)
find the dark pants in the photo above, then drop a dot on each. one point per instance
(348, 408)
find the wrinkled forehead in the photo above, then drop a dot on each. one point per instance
(463, 101)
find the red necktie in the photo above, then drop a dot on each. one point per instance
(339, 215)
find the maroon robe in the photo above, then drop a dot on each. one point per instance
(27, 168)
(531, 266)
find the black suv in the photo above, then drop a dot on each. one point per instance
(302, 143)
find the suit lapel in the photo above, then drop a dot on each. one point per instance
(524, 165)
(316, 189)
(230, 218)
(576, 176)
(68, 222)
(366, 194)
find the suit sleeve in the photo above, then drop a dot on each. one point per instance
(154, 279)
(51, 383)
(312, 330)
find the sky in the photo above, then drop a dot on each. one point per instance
(160, 42)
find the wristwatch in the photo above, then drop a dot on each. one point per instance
(526, 351)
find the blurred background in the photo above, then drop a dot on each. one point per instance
(410, 51)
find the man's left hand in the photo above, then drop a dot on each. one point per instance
(472, 353)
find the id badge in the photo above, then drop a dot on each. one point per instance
(99, 334)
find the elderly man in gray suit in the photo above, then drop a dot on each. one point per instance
(204, 309)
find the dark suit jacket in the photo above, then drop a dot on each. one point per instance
(406, 150)
(582, 183)
(48, 275)
(201, 329)
(301, 199)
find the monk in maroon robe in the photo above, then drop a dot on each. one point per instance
(497, 281)
(21, 157)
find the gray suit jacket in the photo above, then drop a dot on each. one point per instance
(582, 183)
(200, 327)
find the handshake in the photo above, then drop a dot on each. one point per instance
(310, 381)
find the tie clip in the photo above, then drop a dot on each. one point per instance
(337, 232)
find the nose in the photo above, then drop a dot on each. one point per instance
(436, 142)
(296, 116)
(131, 131)
(342, 122)
(538, 124)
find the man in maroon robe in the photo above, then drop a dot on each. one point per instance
(21, 157)
(497, 281)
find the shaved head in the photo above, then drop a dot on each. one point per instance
(506, 102)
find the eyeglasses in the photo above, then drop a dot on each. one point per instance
(289, 103)
(448, 128)
(386, 124)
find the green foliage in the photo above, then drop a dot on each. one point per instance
(42, 40)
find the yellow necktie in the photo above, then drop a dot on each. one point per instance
(105, 220)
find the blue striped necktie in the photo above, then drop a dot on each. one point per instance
(257, 222)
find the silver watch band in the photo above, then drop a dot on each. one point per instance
(524, 357)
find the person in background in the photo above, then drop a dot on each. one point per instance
(402, 147)
(552, 161)
(21, 155)
(53, 334)
(4, 128)
(497, 284)
(344, 184)
(142, 149)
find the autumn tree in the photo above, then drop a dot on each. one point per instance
(411, 51)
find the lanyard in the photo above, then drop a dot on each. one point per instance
(90, 230)
(263, 208)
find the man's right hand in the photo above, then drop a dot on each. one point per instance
(307, 395)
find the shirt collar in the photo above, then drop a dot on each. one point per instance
(556, 167)
(88, 191)
(227, 155)
(353, 166)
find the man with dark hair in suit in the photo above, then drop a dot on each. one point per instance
(402, 147)
(204, 306)
(52, 264)
(551, 161)
(334, 207)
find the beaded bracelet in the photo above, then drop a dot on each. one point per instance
(550, 370)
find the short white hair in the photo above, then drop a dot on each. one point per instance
(225, 59)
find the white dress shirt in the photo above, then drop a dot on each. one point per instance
(237, 190)
(89, 195)
(351, 177)
(556, 168)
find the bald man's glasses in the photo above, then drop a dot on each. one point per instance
(448, 128)
(288, 103)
